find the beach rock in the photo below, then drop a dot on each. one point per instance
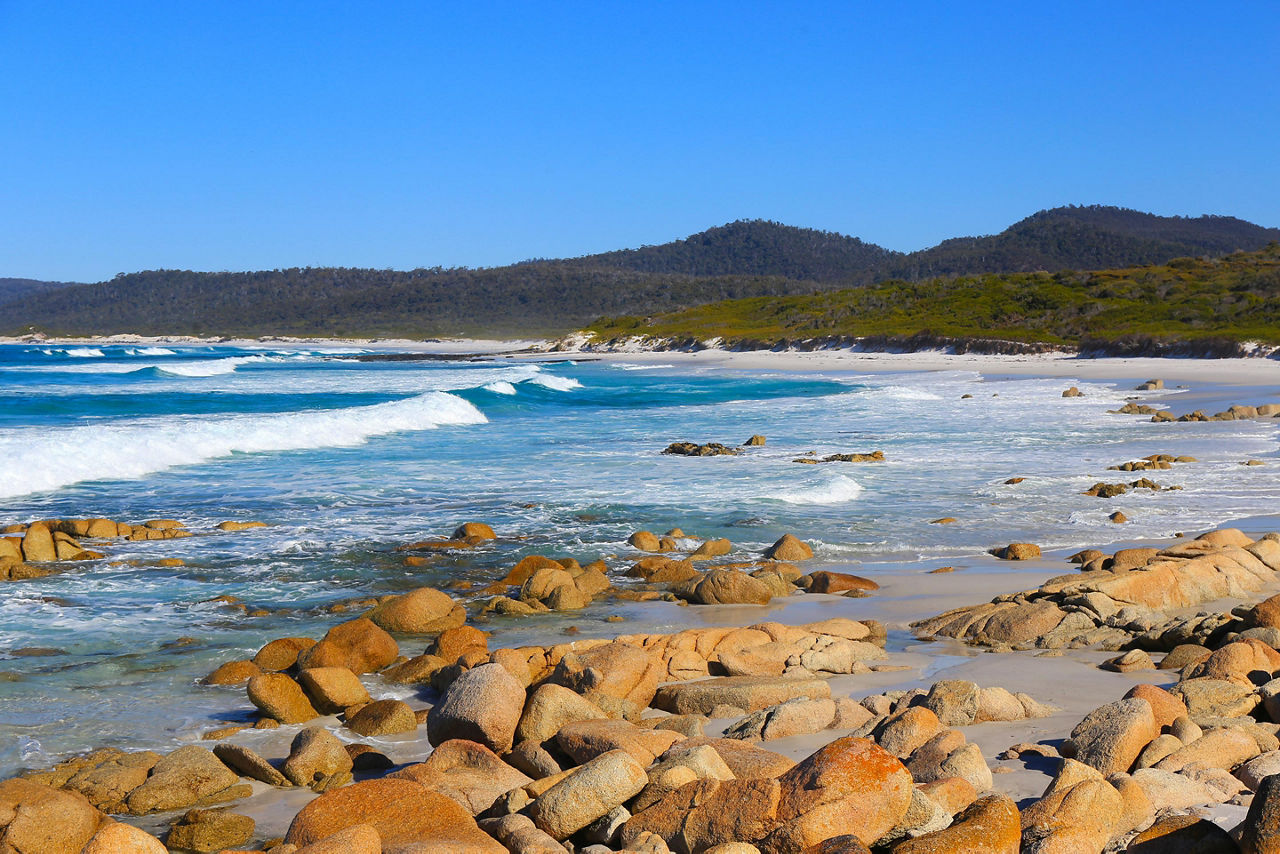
(990, 826)
(38, 545)
(469, 773)
(1218, 748)
(789, 548)
(187, 775)
(1074, 814)
(662, 570)
(402, 812)
(108, 783)
(383, 717)
(1259, 833)
(645, 541)
(1219, 698)
(1133, 660)
(282, 653)
(703, 814)
(1073, 392)
(692, 449)
(952, 793)
(997, 704)
(247, 763)
(711, 548)
(473, 531)
(954, 702)
(839, 582)
(669, 774)
(849, 786)
(317, 759)
(207, 831)
(357, 839)
(614, 669)
(905, 730)
(1018, 551)
(358, 645)
(1169, 791)
(280, 698)
(1183, 834)
(422, 611)
(1160, 747)
(1182, 655)
(452, 644)
(38, 819)
(587, 793)
(584, 740)
(1165, 707)
(114, 837)
(1111, 736)
(1248, 662)
(746, 761)
(728, 587)
(482, 705)
(332, 689)
(800, 716)
(1253, 772)
(551, 707)
(749, 693)
(232, 673)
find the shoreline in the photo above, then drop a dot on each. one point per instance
(1253, 371)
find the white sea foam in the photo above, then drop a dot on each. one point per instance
(837, 490)
(500, 387)
(39, 459)
(211, 367)
(555, 383)
(150, 351)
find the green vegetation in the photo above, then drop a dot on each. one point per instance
(1235, 298)
(540, 297)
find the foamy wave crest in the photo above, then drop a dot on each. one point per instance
(555, 383)
(211, 368)
(837, 490)
(78, 352)
(38, 460)
(500, 387)
(151, 351)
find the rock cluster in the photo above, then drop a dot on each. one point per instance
(1120, 600)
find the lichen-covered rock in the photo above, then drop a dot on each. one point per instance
(1111, 736)
(850, 786)
(383, 717)
(990, 825)
(317, 759)
(358, 645)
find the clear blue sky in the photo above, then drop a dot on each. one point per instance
(234, 135)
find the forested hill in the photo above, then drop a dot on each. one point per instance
(755, 248)
(13, 289)
(547, 297)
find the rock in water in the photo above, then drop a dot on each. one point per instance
(788, 548)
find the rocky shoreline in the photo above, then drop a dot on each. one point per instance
(662, 742)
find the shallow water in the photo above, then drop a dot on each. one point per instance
(347, 459)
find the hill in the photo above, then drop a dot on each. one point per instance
(15, 289)
(754, 248)
(549, 297)
(1187, 305)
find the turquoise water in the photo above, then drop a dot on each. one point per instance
(347, 459)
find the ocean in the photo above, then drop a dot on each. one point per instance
(346, 459)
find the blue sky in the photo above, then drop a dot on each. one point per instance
(236, 135)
